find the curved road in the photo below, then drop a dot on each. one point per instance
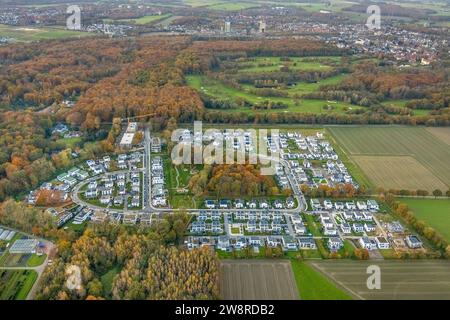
(149, 208)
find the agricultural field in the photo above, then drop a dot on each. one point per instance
(441, 133)
(16, 284)
(420, 157)
(400, 280)
(257, 280)
(25, 34)
(399, 172)
(314, 286)
(435, 212)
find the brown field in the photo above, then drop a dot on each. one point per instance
(442, 134)
(257, 280)
(400, 280)
(409, 157)
(398, 172)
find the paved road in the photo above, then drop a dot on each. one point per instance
(149, 208)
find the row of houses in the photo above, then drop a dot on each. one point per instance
(289, 203)
(99, 166)
(226, 243)
(159, 195)
(201, 226)
(369, 205)
(129, 161)
(106, 186)
(257, 215)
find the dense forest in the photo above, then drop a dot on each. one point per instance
(109, 78)
(232, 180)
(143, 266)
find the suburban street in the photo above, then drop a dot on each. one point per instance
(147, 191)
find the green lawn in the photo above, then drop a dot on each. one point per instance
(221, 91)
(142, 20)
(221, 4)
(314, 286)
(36, 260)
(34, 34)
(269, 64)
(435, 212)
(70, 142)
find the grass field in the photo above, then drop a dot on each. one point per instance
(257, 280)
(382, 142)
(314, 286)
(70, 142)
(142, 20)
(221, 91)
(25, 34)
(269, 64)
(36, 260)
(16, 284)
(416, 280)
(435, 212)
(221, 5)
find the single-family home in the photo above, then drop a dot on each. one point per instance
(289, 243)
(306, 243)
(382, 243)
(369, 227)
(335, 243)
(366, 243)
(413, 242)
(346, 228)
(358, 228)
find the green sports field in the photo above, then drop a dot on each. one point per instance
(435, 212)
(419, 158)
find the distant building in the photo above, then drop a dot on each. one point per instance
(262, 26)
(227, 28)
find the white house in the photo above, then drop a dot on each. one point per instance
(105, 199)
(335, 243)
(345, 227)
(369, 227)
(382, 243)
(367, 244)
(306, 243)
(361, 205)
(358, 227)
(413, 242)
